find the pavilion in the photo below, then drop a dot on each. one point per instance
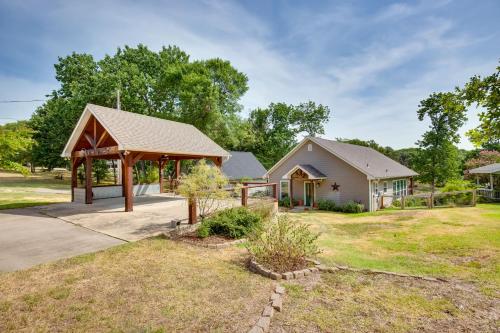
(112, 134)
(492, 171)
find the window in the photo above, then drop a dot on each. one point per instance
(399, 187)
(375, 187)
(309, 147)
(385, 187)
(284, 189)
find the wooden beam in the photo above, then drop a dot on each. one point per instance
(192, 218)
(128, 183)
(113, 150)
(95, 130)
(177, 169)
(90, 140)
(88, 180)
(137, 158)
(103, 137)
(161, 163)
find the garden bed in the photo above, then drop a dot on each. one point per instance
(214, 241)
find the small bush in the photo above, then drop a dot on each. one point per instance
(284, 245)
(348, 207)
(286, 202)
(232, 222)
(457, 185)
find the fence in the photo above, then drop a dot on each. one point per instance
(488, 193)
(429, 200)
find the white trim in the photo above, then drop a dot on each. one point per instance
(289, 194)
(314, 192)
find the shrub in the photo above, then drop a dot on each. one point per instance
(457, 185)
(232, 222)
(286, 202)
(284, 245)
(265, 210)
(349, 207)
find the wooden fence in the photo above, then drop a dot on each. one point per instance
(429, 200)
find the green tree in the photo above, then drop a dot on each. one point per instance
(15, 146)
(275, 128)
(100, 170)
(485, 93)
(164, 84)
(437, 160)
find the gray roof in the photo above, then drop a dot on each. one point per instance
(136, 132)
(365, 159)
(490, 168)
(312, 170)
(243, 165)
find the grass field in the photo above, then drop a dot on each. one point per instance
(456, 243)
(41, 188)
(153, 285)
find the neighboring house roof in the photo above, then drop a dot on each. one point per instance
(490, 168)
(136, 132)
(242, 165)
(311, 171)
(367, 160)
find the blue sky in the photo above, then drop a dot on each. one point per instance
(371, 62)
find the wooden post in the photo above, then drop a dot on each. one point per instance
(177, 169)
(88, 180)
(74, 176)
(244, 196)
(402, 202)
(192, 211)
(128, 183)
(291, 192)
(160, 175)
(382, 201)
(122, 173)
(474, 197)
(411, 185)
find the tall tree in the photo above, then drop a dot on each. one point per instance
(437, 160)
(275, 128)
(485, 93)
(164, 84)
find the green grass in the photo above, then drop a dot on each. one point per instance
(462, 243)
(39, 189)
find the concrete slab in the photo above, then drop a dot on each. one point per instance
(151, 216)
(28, 238)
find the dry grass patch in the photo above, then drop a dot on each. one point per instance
(153, 284)
(352, 302)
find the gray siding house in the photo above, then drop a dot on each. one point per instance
(324, 169)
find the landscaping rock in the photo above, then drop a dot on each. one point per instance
(264, 323)
(256, 329)
(306, 272)
(275, 276)
(298, 274)
(314, 270)
(287, 275)
(322, 268)
(277, 304)
(268, 311)
(275, 296)
(280, 290)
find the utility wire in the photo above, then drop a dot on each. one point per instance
(23, 101)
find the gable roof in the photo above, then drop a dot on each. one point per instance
(136, 132)
(241, 165)
(367, 160)
(490, 168)
(311, 171)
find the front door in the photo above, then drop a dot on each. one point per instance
(308, 193)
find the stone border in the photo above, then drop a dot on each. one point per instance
(275, 303)
(255, 267)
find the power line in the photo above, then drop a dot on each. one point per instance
(23, 101)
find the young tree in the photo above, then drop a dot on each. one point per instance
(205, 185)
(484, 92)
(100, 169)
(437, 160)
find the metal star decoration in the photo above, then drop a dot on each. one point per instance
(335, 186)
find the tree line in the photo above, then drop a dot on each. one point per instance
(206, 93)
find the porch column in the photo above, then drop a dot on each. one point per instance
(177, 169)
(128, 183)
(88, 180)
(491, 181)
(291, 192)
(161, 163)
(74, 176)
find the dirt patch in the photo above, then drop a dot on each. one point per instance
(353, 302)
(192, 237)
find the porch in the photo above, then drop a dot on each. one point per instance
(488, 181)
(301, 183)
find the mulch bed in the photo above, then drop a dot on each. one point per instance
(192, 237)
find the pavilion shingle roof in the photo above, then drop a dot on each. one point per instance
(136, 132)
(490, 168)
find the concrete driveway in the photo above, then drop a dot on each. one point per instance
(28, 238)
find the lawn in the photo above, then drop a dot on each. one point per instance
(454, 243)
(154, 285)
(41, 188)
